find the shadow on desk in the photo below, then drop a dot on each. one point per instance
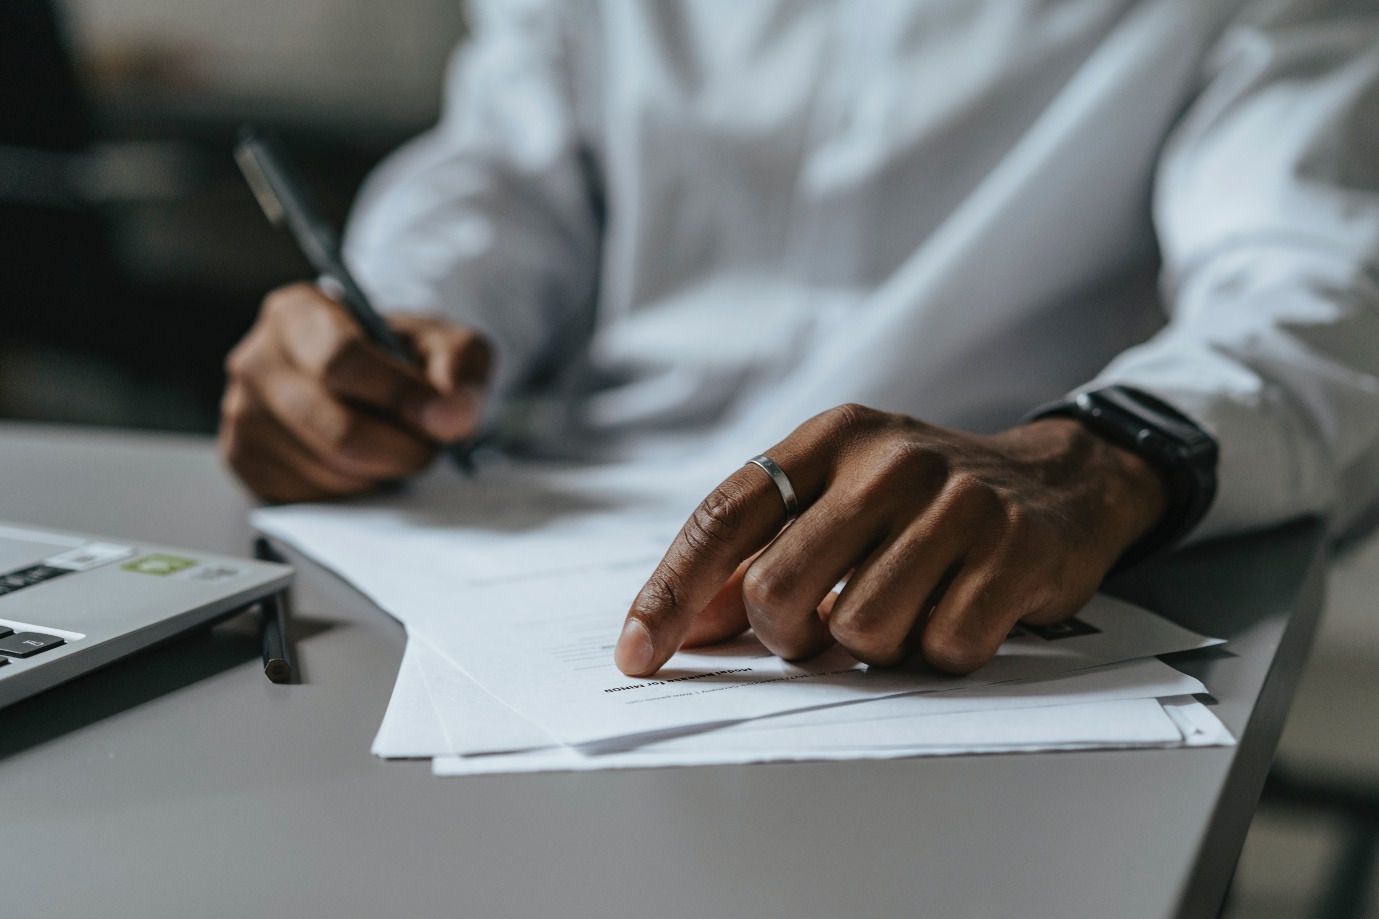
(139, 678)
(1160, 584)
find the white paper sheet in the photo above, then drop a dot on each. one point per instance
(544, 647)
(1097, 725)
(510, 522)
(464, 711)
(411, 727)
(899, 721)
(1199, 725)
(470, 718)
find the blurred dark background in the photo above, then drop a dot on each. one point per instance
(132, 255)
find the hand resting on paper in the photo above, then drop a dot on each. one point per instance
(946, 540)
(313, 410)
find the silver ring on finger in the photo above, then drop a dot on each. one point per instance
(782, 482)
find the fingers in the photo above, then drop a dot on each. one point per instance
(784, 587)
(313, 409)
(317, 335)
(724, 617)
(340, 435)
(950, 537)
(270, 460)
(453, 356)
(994, 589)
(881, 614)
(972, 618)
(737, 519)
(457, 362)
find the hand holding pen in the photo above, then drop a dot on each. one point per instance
(325, 398)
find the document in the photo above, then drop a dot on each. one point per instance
(521, 579)
(1100, 725)
(543, 646)
(1069, 712)
(471, 719)
(467, 718)
(511, 522)
(411, 727)
(1200, 728)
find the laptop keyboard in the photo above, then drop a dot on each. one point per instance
(25, 644)
(27, 577)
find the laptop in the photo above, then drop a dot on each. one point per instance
(70, 602)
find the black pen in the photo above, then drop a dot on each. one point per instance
(286, 201)
(278, 664)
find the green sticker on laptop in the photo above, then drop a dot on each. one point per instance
(158, 564)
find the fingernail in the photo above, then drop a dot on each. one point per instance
(635, 653)
(448, 417)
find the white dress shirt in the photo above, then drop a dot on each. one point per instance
(715, 218)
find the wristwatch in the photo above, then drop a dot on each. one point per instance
(1183, 454)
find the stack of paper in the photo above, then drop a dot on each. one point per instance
(513, 589)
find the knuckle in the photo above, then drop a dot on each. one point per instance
(273, 304)
(970, 491)
(766, 588)
(864, 641)
(281, 299)
(1030, 527)
(244, 357)
(903, 460)
(235, 360)
(851, 417)
(1019, 520)
(714, 521)
(951, 653)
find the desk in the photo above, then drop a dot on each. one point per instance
(182, 783)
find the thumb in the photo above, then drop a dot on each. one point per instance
(457, 361)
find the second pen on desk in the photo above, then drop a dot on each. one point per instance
(279, 663)
(286, 202)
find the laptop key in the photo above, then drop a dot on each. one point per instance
(5, 630)
(24, 644)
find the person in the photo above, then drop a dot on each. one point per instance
(900, 227)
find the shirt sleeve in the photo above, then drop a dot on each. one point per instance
(1267, 210)
(490, 219)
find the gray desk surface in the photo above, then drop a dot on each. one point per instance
(181, 782)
